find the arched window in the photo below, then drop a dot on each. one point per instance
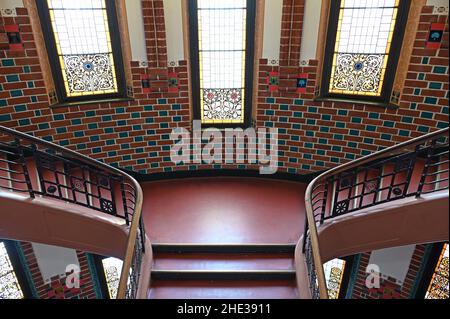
(83, 44)
(439, 288)
(364, 40)
(9, 284)
(221, 54)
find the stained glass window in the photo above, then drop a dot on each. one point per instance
(439, 288)
(9, 285)
(334, 271)
(362, 50)
(80, 39)
(221, 52)
(112, 268)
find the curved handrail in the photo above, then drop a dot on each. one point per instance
(136, 223)
(312, 197)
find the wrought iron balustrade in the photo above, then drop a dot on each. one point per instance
(410, 169)
(39, 168)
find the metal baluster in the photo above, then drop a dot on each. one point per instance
(124, 200)
(24, 167)
(425, 168)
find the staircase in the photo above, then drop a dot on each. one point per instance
(223, 272)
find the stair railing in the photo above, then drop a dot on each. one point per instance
(69, 176)
(378, 178)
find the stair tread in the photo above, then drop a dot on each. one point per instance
(223, 289)
(223, 262)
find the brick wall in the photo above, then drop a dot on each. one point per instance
(389, 287)
(135, 135)
(57, 288)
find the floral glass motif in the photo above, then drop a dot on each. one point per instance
(363, 44)
(439, 288)
(222, 51)
(84, 48)
(112, 268)
(334, 271)
(9, 285)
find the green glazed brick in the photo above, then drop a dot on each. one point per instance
(43, 126)
(312, 109)
(76, 121)
(426, 115)
(403, 133)
(8, 62)
(343, 112)
(78, 134)
(90, 113)
(435, 85)
(323, 141)
(20, 108)
(94, 138)
(61, 130)
(431, 100)
(423, 129)
(311, 121)
(386, 137)
(16, 93)
(92, 126)
(356, 120)
(24, 122)
(440, 69)
(388, 124)
(326, 117)
(284, 107)
(374, 116)
(12, 78)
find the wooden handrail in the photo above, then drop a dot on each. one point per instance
(313, 232)
(132, 235)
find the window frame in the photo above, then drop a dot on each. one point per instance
(18, 268)
(56, 67)
(249, 65)
(394, 55)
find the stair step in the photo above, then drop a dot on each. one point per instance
(223, 275)
(224, 248)
(198, 289)
(164, 261)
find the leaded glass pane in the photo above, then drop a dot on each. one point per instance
(363, 43)
(112, 267)
(9, 285)
(334, 271)
(222, 50)
(438, 288)
(84, 46)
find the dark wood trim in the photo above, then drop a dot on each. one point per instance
(249, 65)
(56, 67)
(19, 268)
(182, 248)
(397, 40)
(101, 275)
(428, 271)
(349, 260)
(221, 173)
